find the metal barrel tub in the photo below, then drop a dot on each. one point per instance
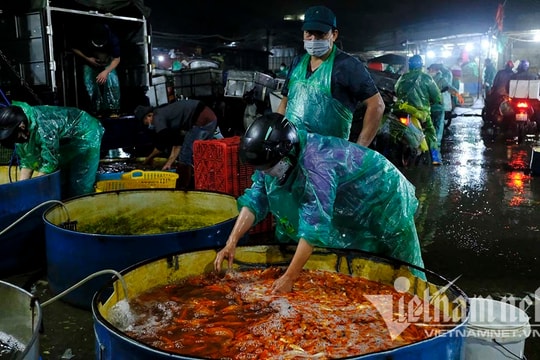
(22, 248)
(73, 255)
(20, 320)
(113, 343)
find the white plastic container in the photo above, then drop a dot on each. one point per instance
(495, 331)
(535, 160)
(525, 89)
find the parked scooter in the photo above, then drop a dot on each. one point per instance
(401, 138)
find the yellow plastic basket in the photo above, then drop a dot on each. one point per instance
(139, 179)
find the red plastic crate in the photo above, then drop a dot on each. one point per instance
(217, 167)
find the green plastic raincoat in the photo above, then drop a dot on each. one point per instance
(310, 100)
(62, 138)
(104, 97)
(340, 195)
(420, 90)
(443, 80)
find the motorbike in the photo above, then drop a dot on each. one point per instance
(518, 119)
(401, 138)
(491, 115)
(514, 116)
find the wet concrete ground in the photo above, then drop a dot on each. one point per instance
(479, 217)
(479, 220)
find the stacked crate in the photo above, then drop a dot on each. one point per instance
(198, 83)
(217, 167)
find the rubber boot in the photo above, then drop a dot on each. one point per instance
(435, 157)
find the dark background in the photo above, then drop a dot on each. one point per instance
(357, 20)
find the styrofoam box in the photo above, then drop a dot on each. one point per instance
(525, 89)
(157, 94)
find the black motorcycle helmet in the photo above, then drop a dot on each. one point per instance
(267, 140)
(11, 118)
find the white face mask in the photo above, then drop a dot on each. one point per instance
(317, 47)
(279, 170)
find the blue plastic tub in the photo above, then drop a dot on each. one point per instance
(112, 343)
(22, 248)
(73, 255)
(20, 319)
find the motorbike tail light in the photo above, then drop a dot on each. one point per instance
(404, 120)
(522, 105)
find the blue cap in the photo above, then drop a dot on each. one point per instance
(319, 18)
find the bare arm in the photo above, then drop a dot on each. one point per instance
(152, 155)
(92, 61)
(300, 258)
(372, 119)
(114, 63)
(174, 154)
(26, 173)
(80, 53)
(243, 223)
(282, 105)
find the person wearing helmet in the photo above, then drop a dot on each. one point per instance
(13, 126)
(319, 190)
(101, 55)
(498, 93)
(325, 85)
(501, 80)
(522, 72)
(418, 89)
(51, 138)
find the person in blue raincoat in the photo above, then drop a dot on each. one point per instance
(321, 192)
(51, 138)
(324, 86)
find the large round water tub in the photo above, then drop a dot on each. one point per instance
(20, 320)
(22, 248)
(73, 255)
(113, 343)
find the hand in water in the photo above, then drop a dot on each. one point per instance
(282, 285)
(226, 253)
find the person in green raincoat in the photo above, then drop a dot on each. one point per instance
(101, 55)
(443, 78)
(320, 191)
(51, 138)
(419, 90)
(325, 85)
